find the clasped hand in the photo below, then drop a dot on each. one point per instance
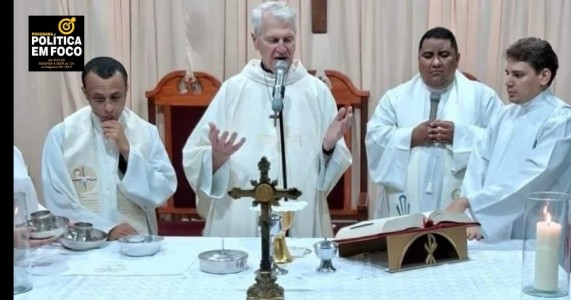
(113, 130)
(338, 127)
(433, 131)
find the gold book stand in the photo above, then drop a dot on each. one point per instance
(418, 249)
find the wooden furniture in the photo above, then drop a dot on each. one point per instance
(181, 101)
(346, 94)
(470, 76)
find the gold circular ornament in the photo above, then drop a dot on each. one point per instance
(264, 192)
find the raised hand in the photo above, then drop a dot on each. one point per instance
(442, 132)
(338, 127)
(222, 146)
(113, 130)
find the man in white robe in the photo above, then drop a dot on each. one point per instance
(104, 164)
(316, 154)
(23, 183)
(526, 149)
(420, 162)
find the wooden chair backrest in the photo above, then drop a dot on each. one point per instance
(346, 94)
(182, 100)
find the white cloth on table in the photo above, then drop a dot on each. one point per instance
(527, 149)
(426, 177)
(243, 105)
(80, 173)
(174, 258)
(493, 272)
(284, 206)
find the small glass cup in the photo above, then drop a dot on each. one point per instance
(546, 253)
(22, 253)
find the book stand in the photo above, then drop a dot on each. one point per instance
(426, 248)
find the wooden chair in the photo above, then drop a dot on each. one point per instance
(182, 101)
(470, 76)
(346, 94)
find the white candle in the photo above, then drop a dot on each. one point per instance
(547, 255)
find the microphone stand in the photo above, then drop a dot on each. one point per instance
(283, 153)
(282, 143)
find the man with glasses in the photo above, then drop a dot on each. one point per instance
(104, 164)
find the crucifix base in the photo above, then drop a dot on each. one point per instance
(265, 288)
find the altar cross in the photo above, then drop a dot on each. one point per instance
(319, 16)
(265, 194)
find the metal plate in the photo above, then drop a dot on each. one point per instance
(95, 239)
(223, 261)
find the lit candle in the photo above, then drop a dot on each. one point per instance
(547, 254)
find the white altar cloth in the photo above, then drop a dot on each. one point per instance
(492, 272)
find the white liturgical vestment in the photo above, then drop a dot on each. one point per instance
(527, 149)
(23, 182)
(81, 179)
(426, 177)
(243, 105)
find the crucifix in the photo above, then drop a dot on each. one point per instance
(319, 16)
(265, 194)
(276, 117)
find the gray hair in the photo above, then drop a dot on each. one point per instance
(278, 10)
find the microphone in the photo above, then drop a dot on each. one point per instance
(280, 70)
(434, 99)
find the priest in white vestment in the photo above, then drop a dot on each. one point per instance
(417, 156)
(23, 183)
(104, 164)
(526, 149)
(216, 159)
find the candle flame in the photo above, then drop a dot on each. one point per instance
(548, 218)
(15, 210)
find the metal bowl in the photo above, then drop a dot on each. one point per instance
(140, 245)
(46, 225)
(81, 236)
(223, 261)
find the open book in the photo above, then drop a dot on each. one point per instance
(370, 235)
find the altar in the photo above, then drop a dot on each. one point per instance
(493, 271)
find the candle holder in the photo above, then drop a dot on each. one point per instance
(546, 248)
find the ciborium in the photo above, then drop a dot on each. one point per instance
(281, 251)
(326, 250)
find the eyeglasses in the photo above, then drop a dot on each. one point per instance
(114, 100)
